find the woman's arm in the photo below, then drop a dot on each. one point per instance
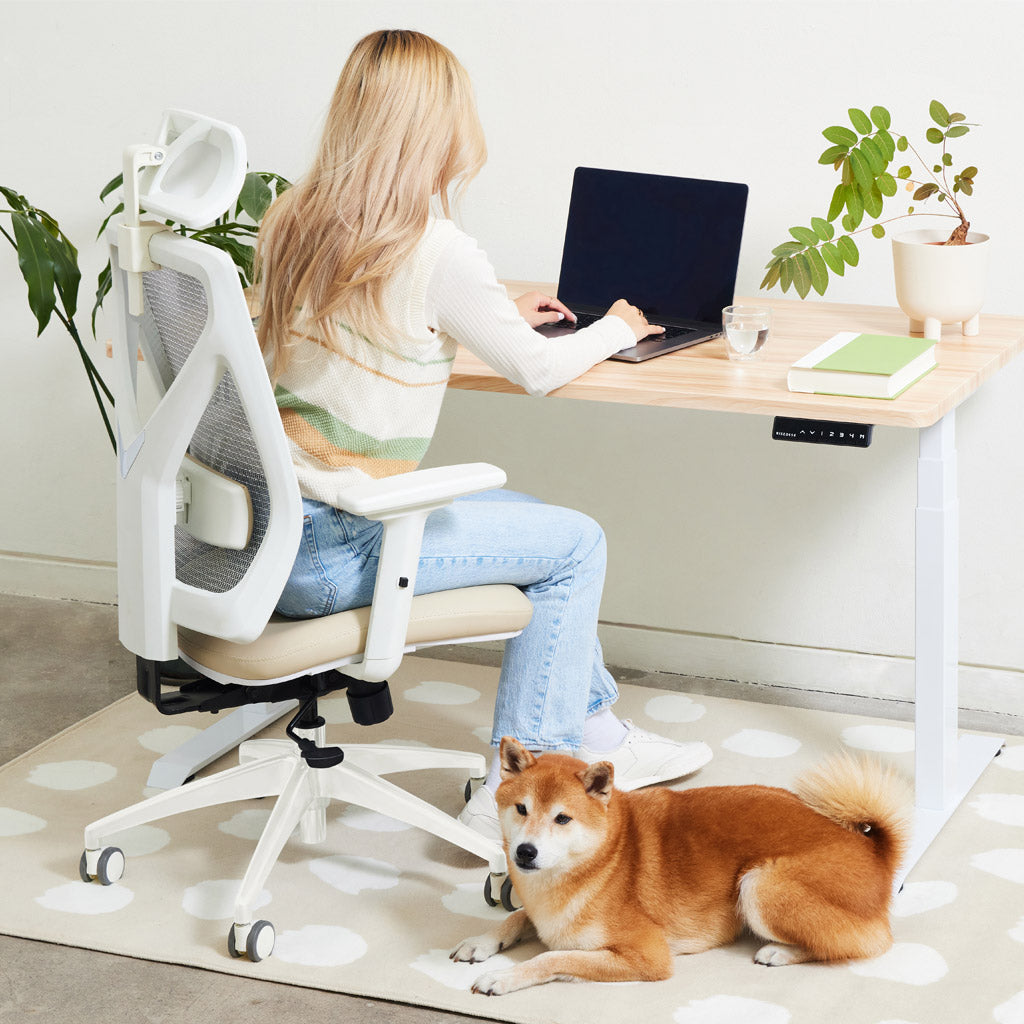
(467, 302)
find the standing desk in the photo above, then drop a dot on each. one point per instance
(703, 377)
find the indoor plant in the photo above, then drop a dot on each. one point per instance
(49, 261)
(863, 156)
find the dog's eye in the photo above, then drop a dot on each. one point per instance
(521, 808)
(562, 819)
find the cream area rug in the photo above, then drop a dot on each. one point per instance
(375, 909)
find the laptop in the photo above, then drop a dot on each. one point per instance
(668, 245)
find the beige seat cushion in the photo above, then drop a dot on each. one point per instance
(290, 646)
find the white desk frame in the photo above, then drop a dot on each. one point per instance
(946, 765)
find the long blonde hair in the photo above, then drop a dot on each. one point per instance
(402, 127)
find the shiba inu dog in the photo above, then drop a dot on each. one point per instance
(615, 884)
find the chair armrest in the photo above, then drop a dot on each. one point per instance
(423, 489)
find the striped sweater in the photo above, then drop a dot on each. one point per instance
(370, 408)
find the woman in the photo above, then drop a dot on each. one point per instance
(366, 294)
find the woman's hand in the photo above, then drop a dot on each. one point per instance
(537, 309)
(634, 317)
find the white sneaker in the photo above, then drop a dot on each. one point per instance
(643, 758)
(481, 814)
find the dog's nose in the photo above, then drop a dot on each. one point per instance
(526, 854)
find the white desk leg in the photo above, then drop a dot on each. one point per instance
(946, 766)
(225, 734)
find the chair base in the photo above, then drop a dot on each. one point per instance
(276, 768)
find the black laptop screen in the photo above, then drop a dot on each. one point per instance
(669, 245)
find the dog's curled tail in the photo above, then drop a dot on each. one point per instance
(863, 796)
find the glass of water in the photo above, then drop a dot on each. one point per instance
(746, 330)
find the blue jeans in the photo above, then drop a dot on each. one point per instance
(552, 674)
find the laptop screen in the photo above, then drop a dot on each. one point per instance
(669, 245)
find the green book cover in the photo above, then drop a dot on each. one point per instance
(883, 354)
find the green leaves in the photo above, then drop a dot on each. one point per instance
(46, 258)
(36, 267)
(863, 154)
(49, 265)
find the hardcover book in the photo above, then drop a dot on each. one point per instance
(863, 365)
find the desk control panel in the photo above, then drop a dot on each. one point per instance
(847, 435)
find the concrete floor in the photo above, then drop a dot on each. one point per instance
(60, 661)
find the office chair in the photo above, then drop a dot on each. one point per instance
(209, 521)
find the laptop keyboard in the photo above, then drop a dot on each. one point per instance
(586, 319)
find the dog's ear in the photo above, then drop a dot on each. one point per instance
(598, 780)
(515, 758)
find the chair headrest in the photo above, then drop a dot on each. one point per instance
(201, 172)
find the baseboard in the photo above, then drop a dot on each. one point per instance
(994, 690)
(68, 579)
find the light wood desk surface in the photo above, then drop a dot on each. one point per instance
(703, 377)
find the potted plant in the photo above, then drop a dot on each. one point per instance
(49, 261)
(940, 277)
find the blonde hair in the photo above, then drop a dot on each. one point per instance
(402, 127)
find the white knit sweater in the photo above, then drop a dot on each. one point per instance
(371, 408)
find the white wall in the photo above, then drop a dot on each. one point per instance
(730, 554)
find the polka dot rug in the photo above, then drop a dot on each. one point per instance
(375, 909)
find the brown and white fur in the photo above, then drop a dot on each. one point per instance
(615, 884)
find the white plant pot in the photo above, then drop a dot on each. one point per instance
(940, 284)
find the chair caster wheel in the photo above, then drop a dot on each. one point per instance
(109, 866)
(256, 941)
(507, 896)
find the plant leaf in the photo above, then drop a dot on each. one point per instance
(822, 228)
(840, 136)
(940, 115)
(855, 204)
(902, 144)
(115, 183)
(887, 184)
(838, 202)
(787, 248)
(819, 272)
(15, 199)
(832, 154)
(969, 172)
(957, 131)
(886, 143)
(36, 265)
(256, 196)
(873, 153)
(801, 275)
(103, 285)
(848, 250)
(881, 117)
(878, 230)
(113, 213)
(926, 190)
(831, 256)
(805, 235)
(786, 274)
(860, 121)
(934, 135)
(65, 272)
(771, 279)
(861, 170)
(873, 201)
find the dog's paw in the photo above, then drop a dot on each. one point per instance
(496, 983)
(779, 956)
(476, 949)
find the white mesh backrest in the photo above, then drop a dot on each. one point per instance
(176, 313)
